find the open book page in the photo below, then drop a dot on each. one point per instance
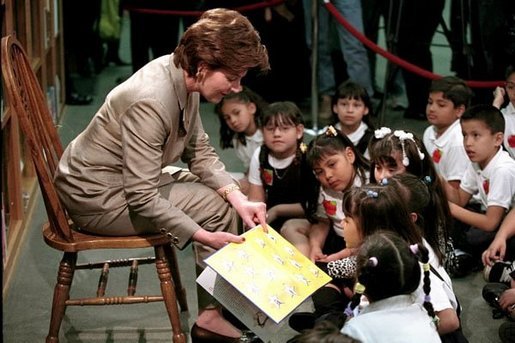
(269, 271)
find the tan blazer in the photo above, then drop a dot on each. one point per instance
(113, 168)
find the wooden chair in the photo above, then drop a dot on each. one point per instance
(29, 104)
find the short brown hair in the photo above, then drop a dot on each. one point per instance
(223, 39)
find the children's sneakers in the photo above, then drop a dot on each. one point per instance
(499, 272)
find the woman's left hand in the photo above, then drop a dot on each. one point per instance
(252, 213)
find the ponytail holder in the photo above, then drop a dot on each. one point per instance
(373, 261)
(383, 182)
(403, 136)
(414, 248)
(303, 147)
(426, 267)
(359, 288)
(427, 298)
(348, 311)
(436, 320)
(331, 131)
(382, 132)
(372, 194)
(427, 180)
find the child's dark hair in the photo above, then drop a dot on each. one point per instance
(375, 208)
(388, 266)
(454, 89)
(381, 148)
(323, 332)
(416, 192)
(351, 90)
(246, 96)
(489, 115)
(386, 141)
(282, 113)
(330, 143)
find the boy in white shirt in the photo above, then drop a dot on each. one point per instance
(448, 98)
(500, 95)
(491, 175)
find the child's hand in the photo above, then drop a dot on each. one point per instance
(499, 94)
(507, 298)
(271, 215)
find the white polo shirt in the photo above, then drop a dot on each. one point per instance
(245, 152)
(509, 131)
(447, 151)
(495, 184)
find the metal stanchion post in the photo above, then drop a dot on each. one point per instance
(314, 69)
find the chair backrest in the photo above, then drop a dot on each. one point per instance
(29, 104)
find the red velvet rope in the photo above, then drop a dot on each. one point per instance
(395, 59)
(250, 7)
(336, 14)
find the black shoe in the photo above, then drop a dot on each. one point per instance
(300, 321)
(79, 99)
(507, 332)
(461, 264)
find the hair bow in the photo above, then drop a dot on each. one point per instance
(331, 131)
(382, 132)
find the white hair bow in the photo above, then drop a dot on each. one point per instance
(382, 132)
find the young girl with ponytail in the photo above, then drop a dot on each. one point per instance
(388, 275)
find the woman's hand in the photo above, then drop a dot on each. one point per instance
(252, 213)
(316, 254)
(216, 240)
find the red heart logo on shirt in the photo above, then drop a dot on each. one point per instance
(486, 186)
(511, 141)
(329, 207)
(437, 155)
(268, 176)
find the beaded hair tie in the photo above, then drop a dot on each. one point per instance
(372, 194)
(359, 288)
(403, 136)
(373, 261)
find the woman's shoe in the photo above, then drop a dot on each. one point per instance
(201, 335)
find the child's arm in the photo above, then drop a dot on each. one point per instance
(317, 237)
(448, 322)
(256, 193)
(284, 210)
(487, 222)
(497, 248)
(499, 93)
(339, 255)
(455, 194)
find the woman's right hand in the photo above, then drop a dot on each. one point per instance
(216, 240)
(316, 254)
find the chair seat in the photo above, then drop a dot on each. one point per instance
(87, 241)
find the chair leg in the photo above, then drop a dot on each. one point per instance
(168, 291)
(176, 275)
(61, 294)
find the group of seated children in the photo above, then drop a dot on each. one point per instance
(368, 205)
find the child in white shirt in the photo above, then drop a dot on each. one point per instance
(500, 95)
(491, 175)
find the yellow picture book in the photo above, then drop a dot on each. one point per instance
(269, 271)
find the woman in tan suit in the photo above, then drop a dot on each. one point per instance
(110, 177)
